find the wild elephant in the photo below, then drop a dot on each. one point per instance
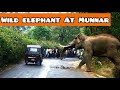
(103, 45)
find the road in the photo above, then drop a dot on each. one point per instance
(50, 68)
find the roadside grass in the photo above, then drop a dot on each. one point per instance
(103, 67)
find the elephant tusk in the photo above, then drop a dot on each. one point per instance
(61, 45)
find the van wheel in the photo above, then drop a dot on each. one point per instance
(26, 62)
(39, 62)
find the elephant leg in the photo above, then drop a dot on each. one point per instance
(88, 64)
(81, 63)
(88, 59)
(114, 57)
(116, 61)
(116, 70)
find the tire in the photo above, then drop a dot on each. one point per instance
(26, 62)
(39, 62)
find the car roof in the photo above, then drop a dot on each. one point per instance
(37, 46)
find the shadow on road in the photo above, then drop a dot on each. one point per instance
(33, 65)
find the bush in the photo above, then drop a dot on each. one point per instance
(49, 44)
(12, 46)
(96, 63)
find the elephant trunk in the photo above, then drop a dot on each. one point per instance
(65, 48)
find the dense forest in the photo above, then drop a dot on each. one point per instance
(13, 40)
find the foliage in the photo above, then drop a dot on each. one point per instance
(114, 29)
(11, 46)
(61, 35)
(40, 33)
(65, 34)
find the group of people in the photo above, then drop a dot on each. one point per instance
(51, 53)
(74, 53)
(55, 53)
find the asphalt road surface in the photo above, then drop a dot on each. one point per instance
(50, 68)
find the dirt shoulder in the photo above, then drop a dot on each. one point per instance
(9, 66)
(92, 74)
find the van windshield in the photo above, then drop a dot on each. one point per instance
(33, 49)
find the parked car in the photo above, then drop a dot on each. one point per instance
(34, 54)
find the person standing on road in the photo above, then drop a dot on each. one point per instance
(81, 53)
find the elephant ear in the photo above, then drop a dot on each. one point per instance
(82, 37)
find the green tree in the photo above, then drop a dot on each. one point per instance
(114, 29)
(65, 34)
(40, 33)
